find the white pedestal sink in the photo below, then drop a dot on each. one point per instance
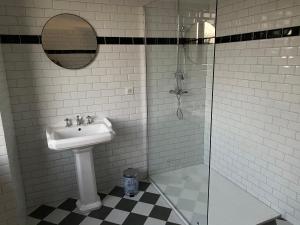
(81, 139)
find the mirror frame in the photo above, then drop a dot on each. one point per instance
(94, 31)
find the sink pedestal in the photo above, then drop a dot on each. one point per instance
(89, 199)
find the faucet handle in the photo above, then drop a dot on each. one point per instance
(79, 120)
(89, 119)
(68, 122)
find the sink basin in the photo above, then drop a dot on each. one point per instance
(64, 138)
(81, 139)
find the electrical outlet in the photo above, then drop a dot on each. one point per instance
(129, 91)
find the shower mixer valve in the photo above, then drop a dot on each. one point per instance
(179, 75)
(178, 91)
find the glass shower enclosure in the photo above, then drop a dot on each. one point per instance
(180, 57)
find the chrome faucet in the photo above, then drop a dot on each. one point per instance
(68, 122)
(89, 119)
(79, 120)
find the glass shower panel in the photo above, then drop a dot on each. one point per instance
(180, 56)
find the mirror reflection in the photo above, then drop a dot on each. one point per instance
(69, 41)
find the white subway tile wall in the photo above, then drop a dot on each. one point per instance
(42, 93)
(174, 143)
(256, 118)
(108, 17)
(11, 189)
(242, 16)
(161, 18)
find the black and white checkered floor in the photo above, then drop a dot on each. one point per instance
(146, 208)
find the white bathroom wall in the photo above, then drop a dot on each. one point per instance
(42, 93)
(242, 16)
(173, 143)
(12, 209)
(256, 114)
(110, 18)
(161, 18)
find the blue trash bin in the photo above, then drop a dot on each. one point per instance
(131, 183)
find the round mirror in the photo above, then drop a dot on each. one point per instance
(69, 41)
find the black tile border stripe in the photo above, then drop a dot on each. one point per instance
(257, 35)
(74, 51)
(260, 35)
(37, 39)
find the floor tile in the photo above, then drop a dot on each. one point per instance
(202, 197)
(143, 208)
(170, 223)
(42, 212)
(45, 223)
(117, 216)
(54, 204)
(111, 201)
(117, 191)
(149, 198)
(76, 210)
(152, 189)
(199, 218)
(174, 218)
(57, 216)
(91, 221)
(200, 208)
(102, 195)
(69, 204)
(143, 186)
(161, 213)
(108, 223)
(136, 197)
(173, 199)
(188, 194)
(72, 218)
(153, 221)
(126, 205)
(173, 191)
(162, 202)
(32, 221)
(270, 223)
(101, 213)
(187, 214)
(135, 219)
(186, 204)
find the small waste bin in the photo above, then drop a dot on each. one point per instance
(131, 183)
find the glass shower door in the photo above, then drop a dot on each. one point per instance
(179, 52)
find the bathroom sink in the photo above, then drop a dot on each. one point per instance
(64, 138)
(81, 140)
